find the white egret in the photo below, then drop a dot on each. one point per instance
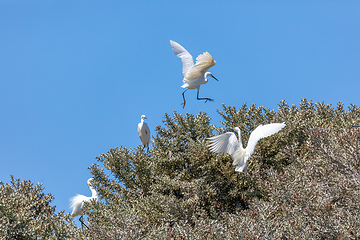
(77, 202)
(144, 132)
(228, 143)
(194, 75)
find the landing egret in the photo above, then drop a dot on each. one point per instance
(144, 132)
(194, 75)
(228, 143)
(77, 202)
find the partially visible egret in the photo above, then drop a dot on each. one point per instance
(77, 202)
(194, 75)
(144, 132)
(228, 143)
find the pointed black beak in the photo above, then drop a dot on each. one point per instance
(214, 77)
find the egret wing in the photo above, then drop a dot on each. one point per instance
(76, 203)
(139, 129)
(186, 58)
(262, 131)
(146, 131)
(224, 143)
(203, 63)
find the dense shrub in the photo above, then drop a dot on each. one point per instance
(26, 213)
(302, 182)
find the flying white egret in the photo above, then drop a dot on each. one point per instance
(194, 75)
(228, 143)
(144, 132)
(77, 202)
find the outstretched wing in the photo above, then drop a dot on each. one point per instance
(186, 58)
(203, 63)
(260, 132)
(224, 143)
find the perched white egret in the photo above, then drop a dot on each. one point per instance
(194, 75)
(144, 132)
(228, 143)
(77, 202)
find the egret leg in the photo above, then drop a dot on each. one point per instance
(82, 223)
(242, 190)
(206, 99)
(183, 104)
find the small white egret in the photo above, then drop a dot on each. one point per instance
(144, 132)
(228, 143)
(194, 75)
(77, 202)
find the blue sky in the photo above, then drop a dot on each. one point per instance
(76, 76)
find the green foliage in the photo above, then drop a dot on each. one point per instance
(26, 213)
(302, 182)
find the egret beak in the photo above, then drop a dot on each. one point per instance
(355, 126)
(214, 77)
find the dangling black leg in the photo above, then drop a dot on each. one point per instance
(82, 223)
(183, 104)
(242, 192)
(206, 99)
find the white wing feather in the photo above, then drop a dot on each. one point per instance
(186, 58)
(260, 132)
(77, 204)
(224, 143)
(146, 131)
(203, 63)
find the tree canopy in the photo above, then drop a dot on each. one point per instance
(302, 182)
(26, 213)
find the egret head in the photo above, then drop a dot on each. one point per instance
(209, 74)
(89, 181)
(236, 129)
(143, 117)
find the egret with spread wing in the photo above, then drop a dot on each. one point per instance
(228, 143)
(194, 75)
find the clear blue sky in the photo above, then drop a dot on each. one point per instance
(75, 76)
